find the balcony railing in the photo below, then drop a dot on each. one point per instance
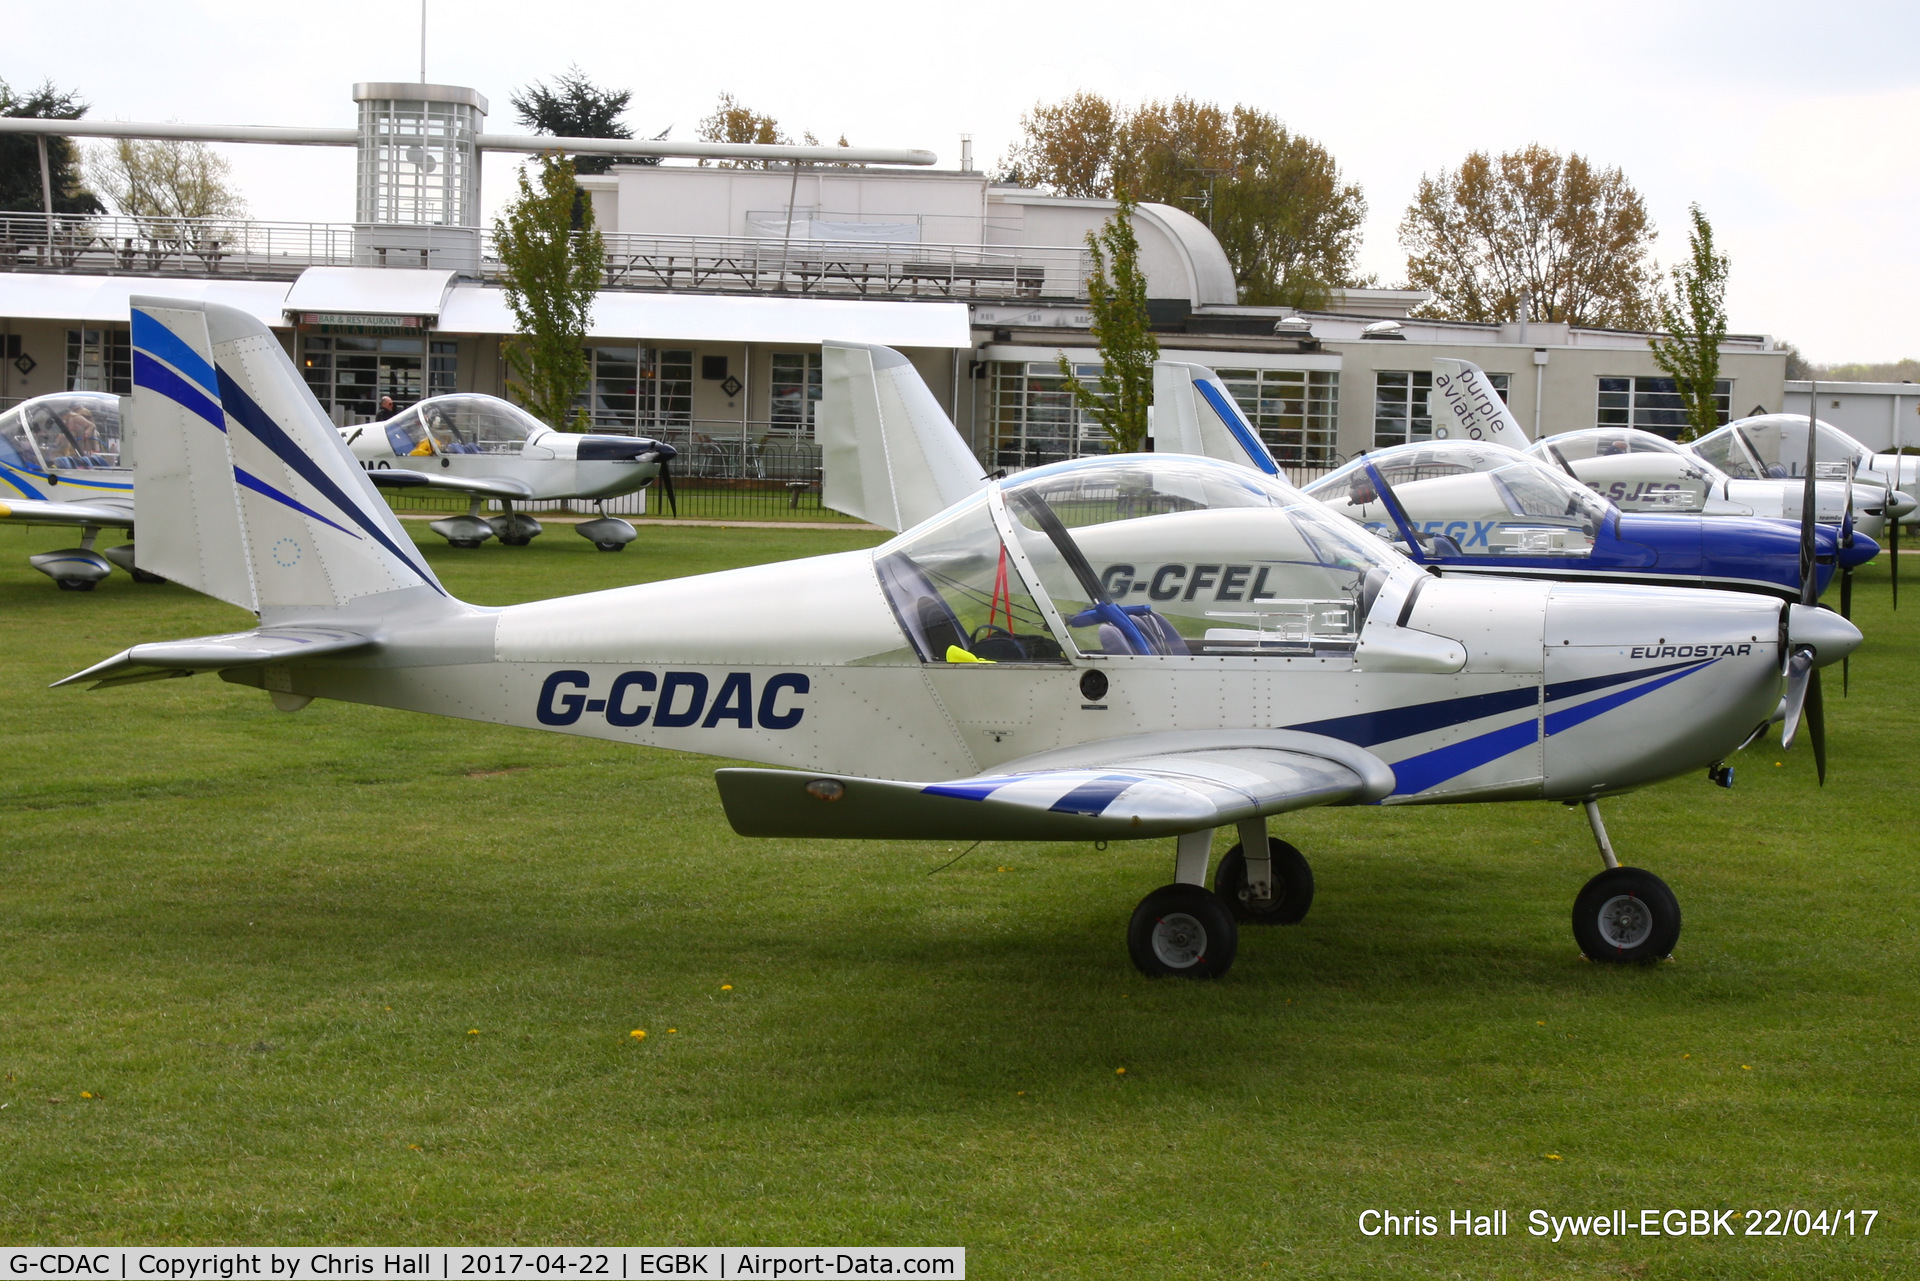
(253, 250)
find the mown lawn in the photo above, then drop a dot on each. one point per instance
(360, 976)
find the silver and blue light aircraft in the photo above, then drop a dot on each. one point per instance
(61, 464)
(485, 448)
(1109, 649)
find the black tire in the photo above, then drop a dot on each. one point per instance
(1292, 885)
(1626, 915)
(465, 544)
(611, 547)
(1182, 931)
(142, 576)
(75, 584)
(514, 540)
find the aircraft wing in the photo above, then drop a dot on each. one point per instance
(31, 512)
(267, 645)
(1119, 789)
(482, 486)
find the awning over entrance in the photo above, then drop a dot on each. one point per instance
(346, 295)
(708, 318)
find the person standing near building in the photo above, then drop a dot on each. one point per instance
(386, 409)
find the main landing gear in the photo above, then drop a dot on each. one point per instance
(1625, 914)
(1181, 929)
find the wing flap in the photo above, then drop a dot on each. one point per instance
(483, 486)
(268, 645)
(29, 512)
(1159, 794)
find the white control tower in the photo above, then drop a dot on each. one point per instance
(417, 176)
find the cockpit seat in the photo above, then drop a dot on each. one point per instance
(1159, 633)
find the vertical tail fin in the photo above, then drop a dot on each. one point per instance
(313, 534)
(1465, 405)
(888, 453)
(1194, 413)
(183, 506)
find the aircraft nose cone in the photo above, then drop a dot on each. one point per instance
(1863, 550)
(1831, 636)
(623, 449)
(1900, 505)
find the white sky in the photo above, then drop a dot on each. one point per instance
(1792, 126)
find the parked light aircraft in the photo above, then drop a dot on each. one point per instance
(61, 464)
(1114, 648)
(485, 448)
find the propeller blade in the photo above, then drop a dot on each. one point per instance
(1893, 566)
(1846, 611)
(1800, 677)
(666, 486)
(1817, 727)
(1809, 567)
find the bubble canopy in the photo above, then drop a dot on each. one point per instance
(465, 423)
(1467, 498)
(1637, 470)
(1137, 554)
(1774, 447)
(66, 431)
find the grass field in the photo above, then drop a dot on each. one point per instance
(358, 976)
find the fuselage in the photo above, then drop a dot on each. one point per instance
(1566, 690)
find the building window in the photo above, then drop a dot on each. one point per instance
(1296, 411)
(796, 390)
(99, 360)
(1400, 412)
(1035, 419)
(634, 387)
(443, 367)
(1654, 404)
(348, 373)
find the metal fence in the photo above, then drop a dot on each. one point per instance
(249, 249)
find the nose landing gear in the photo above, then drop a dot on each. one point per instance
(1625, 914)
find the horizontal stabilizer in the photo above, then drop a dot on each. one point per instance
(1151, 794)
(480, 486)
(268, 645)
(28, 512)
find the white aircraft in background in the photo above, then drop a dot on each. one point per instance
(485, 448)
(61, 464)
(1120, 648)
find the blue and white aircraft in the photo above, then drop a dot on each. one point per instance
(1117, 648)
(61, 464)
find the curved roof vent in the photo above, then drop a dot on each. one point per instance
(1293, 327)
(1384, 329)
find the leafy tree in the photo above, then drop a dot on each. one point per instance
(20, 153)
(551, 274)
(1695, 321)
(1531, 223)
(732, 121)
(1275, 200)
(1117, 296)
(575, 107)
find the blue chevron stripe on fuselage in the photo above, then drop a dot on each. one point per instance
(154, 376)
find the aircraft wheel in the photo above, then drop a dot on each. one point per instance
(1626, 914)
(1182, 930)
(74, 584)
(464, 544)
(611, 547)
(1292, 885)
(142, 576)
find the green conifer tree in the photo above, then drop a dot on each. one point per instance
(1117, 296)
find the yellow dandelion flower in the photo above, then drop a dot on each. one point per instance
(1539, 1022)
(85, 1094)
(1555, 1156)
(1745, 1068)
(1019, 1091)
(413, 1147)
(672, 1030)
(1119, 1071)
(638, 1034)
(473, 1031)
(1686, 1056)
(726, 987)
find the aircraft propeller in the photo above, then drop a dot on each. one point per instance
(1844, 545)
(664, 454)
(1803, 678)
